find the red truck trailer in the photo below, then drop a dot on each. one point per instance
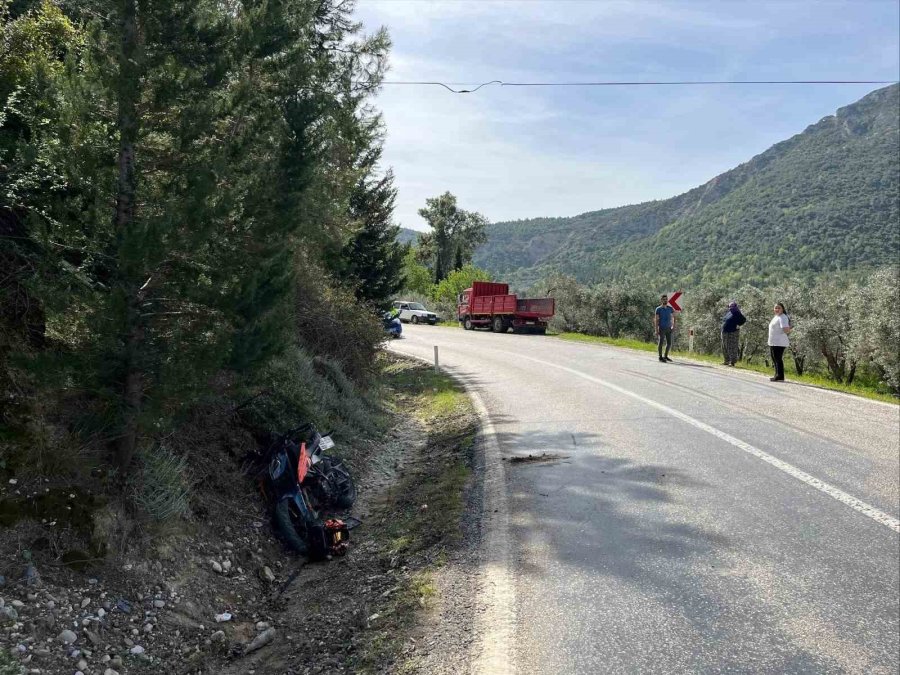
(489, 304)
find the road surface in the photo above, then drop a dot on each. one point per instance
(694, 519)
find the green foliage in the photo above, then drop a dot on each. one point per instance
(456, 282)
(846, 332)
(161, 485)
(9, 664)
(416, 277)
(612, 310)
(328, 322)
(300, 387)
(254, 145)
(373, 260)
(823, 201)
(454, 235)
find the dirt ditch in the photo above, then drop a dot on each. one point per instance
(218, 594)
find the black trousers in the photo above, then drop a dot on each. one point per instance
(665, 335)
(778, 360)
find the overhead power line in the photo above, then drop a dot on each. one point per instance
(661, 83)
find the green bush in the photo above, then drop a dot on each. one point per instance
(161, 488)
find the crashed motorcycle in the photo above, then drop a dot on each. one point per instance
(306, 489)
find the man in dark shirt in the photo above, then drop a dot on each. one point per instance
(664, 322)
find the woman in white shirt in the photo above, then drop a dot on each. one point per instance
(779, 328)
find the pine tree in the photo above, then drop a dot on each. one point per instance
(374, 259)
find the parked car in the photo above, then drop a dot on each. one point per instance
(414, 312)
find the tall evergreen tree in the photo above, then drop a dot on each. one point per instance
(374, 258)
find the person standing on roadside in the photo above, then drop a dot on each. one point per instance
(779, 328)
(731, 333)
(664, 322)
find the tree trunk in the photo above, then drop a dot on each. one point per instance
(835, 365)
(851, 374)
(133, 331)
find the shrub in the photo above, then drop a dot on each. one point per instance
(330, 322)
(161, 487)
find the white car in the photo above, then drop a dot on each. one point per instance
(414, 312)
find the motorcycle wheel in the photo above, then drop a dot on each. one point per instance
(307, 539)
(286, 530)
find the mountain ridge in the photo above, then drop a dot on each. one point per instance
(828, 192)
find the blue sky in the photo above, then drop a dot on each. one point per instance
(527, 152)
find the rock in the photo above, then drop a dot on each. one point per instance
(137, 649)
(226, 565)
(101, 612)
(159, 604)
(115, 662)
(18, 604)
(260, 640)
(263, 625)
(110, 671)
(32, 597)
(218, 636)
(82, 664)
(123, 606)
(223, 617)
(85, 603)
(217, 568)
(268, 575)
(8, 615)
(31, 576)
(67, 637)
(93, 637)
(148, 627)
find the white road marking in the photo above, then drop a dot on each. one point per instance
(495, 626)
(820, 485)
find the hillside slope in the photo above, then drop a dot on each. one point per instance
(824, 200)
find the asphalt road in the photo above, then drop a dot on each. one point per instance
(694, 519)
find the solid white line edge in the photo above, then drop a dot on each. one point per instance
(820, 485)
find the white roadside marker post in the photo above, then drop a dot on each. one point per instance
(436, 366)
(691, 339)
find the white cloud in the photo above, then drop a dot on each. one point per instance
(517, 153)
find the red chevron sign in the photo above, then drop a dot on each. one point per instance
(673, 300)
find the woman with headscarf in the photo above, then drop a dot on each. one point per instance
(731, 331)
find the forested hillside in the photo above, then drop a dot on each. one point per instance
(825, 200)
(408, 236)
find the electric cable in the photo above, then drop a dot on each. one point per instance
(655, 83)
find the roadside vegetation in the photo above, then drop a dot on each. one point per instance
(423, 511)
(196, 237)
(844, 338)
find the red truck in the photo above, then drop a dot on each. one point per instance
(490, 304)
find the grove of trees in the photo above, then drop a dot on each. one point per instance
(189, 191)
(845, 330)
